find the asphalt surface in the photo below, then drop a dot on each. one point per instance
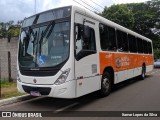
(131, 95)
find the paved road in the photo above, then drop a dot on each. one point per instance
(132, 95)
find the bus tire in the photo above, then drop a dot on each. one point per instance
(143, 74)
(105, 84)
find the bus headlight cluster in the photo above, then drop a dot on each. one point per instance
(62, 78)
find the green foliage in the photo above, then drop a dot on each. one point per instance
(5, 83)
(119, 14)
(156, 53)
(9, 89)
(143, 18)
(9, 28)
(14, 32)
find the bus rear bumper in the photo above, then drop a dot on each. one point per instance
(65, 90)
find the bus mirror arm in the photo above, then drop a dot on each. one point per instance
(86, 32)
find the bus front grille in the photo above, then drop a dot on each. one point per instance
(41, 90)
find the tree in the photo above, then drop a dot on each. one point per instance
(119, 14)
(143, 18)
(4, 28)
(14, 31)
(10, 29)
(157, 53)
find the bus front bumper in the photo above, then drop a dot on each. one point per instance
(65, 90)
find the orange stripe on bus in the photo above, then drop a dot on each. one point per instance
(123, 61)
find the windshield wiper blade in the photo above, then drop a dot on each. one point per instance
(45, 31)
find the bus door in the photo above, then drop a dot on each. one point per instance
(86, 57)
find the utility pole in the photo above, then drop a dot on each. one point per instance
(35, 7)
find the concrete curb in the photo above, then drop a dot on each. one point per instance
(15, 99)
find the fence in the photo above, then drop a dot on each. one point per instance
(8, 58)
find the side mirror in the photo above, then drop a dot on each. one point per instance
(86, 32)
(78, 33)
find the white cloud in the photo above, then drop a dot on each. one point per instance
(17, 10)
(50, 4)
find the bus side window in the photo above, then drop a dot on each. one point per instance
(112, 39)
(140, 45)
(145, 47)
(84, 46)
(149, 47)
(107, 38)
(122, 39)
(132, 43)
(104, 37)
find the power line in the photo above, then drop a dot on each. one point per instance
(83, 5)
(114, 2)
(89, 5)
(104, 2)
(101, 1)
(97, 4)
(35, 7)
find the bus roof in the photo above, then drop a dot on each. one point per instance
(97, 17)
(106, 21)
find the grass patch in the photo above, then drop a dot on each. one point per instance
(9, 89)
(5, 83)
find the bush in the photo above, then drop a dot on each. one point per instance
(157, 53)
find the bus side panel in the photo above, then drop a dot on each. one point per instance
(121, 64)
(149, 66)
(125, 65)
(107, 59)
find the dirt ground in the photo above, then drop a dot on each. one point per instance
(9, 91)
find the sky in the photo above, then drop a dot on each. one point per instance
(19, 9)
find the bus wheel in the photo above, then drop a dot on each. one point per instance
(105, 84)
(143, 74)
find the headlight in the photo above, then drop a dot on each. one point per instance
(62, 78)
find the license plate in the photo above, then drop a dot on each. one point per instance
(35, 93)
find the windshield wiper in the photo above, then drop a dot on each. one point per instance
(44, 34)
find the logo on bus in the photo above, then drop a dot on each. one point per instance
(118, 62)
(34, 80)
(122, 61)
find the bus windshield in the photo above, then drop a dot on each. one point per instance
(44, 46)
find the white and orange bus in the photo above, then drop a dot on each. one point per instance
(69, 52)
